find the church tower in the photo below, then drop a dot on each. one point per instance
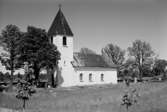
(62, 36)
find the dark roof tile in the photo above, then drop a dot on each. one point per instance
(60, 26)
(90, 60)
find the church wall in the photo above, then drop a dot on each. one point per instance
(109, 76)
(66, 51)
(66, 59)
(68, 76)
(71, 76)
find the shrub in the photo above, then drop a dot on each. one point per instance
(24, 91)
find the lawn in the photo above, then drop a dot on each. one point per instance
(106, 98)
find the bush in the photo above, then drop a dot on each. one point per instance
(24, 91)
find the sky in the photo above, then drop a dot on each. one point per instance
(95, 23)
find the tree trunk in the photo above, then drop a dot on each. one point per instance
(11, 71)
(36, 72)
(24, 104)
(127, 108)
(12, 61)
(50, 73)
(140, 72)
(52, 79)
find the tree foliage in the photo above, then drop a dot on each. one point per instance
(113, 54)
(159, 67)
(130, 98)
(24, 91)
(36, 49)
(131, 67)
(9, 42)
(143, 54)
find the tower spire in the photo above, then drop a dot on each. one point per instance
(60, 6)
(60, 25)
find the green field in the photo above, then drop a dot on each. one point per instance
(106, 98)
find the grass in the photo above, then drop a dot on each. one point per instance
(107, 98)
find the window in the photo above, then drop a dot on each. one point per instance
(81, 77)
(102, 77)
(64, 63)
(51, 39)
(64, 41)
(90, 77)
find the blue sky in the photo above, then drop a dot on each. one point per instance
(95, 23)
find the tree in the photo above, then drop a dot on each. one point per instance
(113, 54)
(131, 66)
(9, 41)
(36, 49)
(86, 51)
(24, 92)
(159, 67)
(143, 54)
(130, 98)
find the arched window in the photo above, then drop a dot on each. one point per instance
(90, 77)
(64, 63)
(51, 39)
(102, 77)
(81, 77)
(64, 41)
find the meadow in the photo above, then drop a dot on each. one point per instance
(105, 98)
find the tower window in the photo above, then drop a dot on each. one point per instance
(51, 39)
(90, 77)
(64, 41)
(64, 63)
(81, 77)
(102, 77)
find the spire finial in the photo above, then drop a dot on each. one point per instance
(60, 6)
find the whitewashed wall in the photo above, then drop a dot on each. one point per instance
(110, 76)
(73, 78)
(67, 70)
(66, 51)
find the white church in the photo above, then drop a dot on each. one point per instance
(77, 69)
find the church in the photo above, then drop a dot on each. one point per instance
(77, 69)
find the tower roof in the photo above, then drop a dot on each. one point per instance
(60, 25)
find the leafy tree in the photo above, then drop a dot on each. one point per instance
(24, 91)
(1, 77)
(9, 41)
(130, 98)
(146, 70)
(113, 54)
(132, 67)
(36, 49)
(142, 52)
(159, 67)
(86, 51)
(128, 71)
